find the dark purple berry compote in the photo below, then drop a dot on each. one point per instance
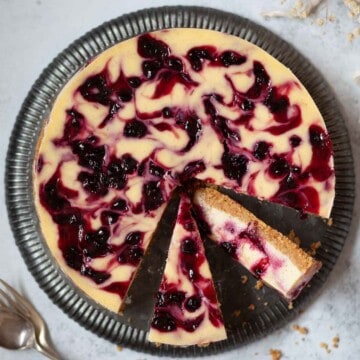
(156, 112)
(186, 308)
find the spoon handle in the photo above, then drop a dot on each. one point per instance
(47, 351)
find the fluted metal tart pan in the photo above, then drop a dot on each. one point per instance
(130, 330)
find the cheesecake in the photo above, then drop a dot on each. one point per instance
(266, 253)
(187, 311)
(151, 114)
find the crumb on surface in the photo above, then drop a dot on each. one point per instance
(330, 221)
(336, 341)
(236, 313)
(300, 10)
(325, 346)
(350, 37)
(119, 348)
(275, 354)
(266, 303)
(259, 285)
(301, 329)
(353, 34)
(290, 305)
(305, 9)
(357, 78)
(244, 279)
(353, 8)
(251, 307)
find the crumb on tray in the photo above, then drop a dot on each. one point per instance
(292, 236)
(204, 345)
(244, 279)
(259, 284)
(313, 248)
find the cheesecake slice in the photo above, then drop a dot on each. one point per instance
(269, 255)
(187, 311)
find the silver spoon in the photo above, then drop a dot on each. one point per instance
(18, 333)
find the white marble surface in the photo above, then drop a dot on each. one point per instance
(32, 32)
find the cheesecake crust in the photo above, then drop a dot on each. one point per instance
(217, 200)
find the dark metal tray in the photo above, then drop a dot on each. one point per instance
(130, 329)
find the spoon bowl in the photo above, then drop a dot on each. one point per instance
(21, 325)
(16, 333)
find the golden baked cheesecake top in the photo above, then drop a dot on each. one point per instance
(153, 113)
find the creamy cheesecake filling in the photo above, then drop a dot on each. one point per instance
(154, 112)
(186, 311)
(266, 253)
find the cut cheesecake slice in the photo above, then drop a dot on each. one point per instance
(262, 250)
(186, 311)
